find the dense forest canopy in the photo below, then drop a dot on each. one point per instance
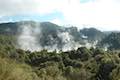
(79, 64)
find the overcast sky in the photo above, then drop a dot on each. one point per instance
(102, 14)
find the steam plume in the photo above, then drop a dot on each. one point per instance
(30, 34)
(27, 39)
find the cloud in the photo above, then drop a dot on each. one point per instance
(85, 1)
(16, 7)
(99, 13)
(105, 14)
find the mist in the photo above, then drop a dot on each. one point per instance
(30, 34)
(68, 41)
(27, 39)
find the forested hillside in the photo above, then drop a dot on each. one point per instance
(112, 41)
(76, 64)
(92, 33)
(52, 34)
(80, 64)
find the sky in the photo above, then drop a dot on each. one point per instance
(101, 14)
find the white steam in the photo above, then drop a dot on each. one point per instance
(27, 39)
(31, 33)
(84, 37)
(68, 41)
(90, 44)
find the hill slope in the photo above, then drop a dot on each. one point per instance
(48, 35)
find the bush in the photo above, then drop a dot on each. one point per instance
(10, 70)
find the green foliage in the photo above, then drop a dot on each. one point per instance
(115, 74)
(10, 70)
(112, 40)
(80, 64)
